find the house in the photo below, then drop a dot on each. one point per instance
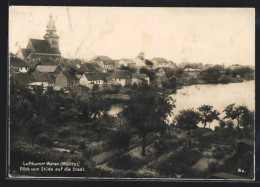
(66, 79)
(121, 77)
(165, 72)
(21, 79)
(87, 67)
(89, 79)
(191, 72)
(49, 47)
(18, 65)
(131, 65)
(139, 79)
(52, 70)
(41, 79)
(104, 62)
(159, 62)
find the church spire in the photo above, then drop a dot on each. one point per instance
(51, 24)
(51, 35)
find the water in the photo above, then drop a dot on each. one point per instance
(217, 95)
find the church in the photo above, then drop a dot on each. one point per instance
(37, 48)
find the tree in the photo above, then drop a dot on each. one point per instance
(150, 73)
(119, 139)
(188, 119)
(147, 111)
(236, 113)
(207, 114)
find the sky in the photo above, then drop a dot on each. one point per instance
(206, 35)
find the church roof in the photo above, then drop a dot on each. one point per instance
(48, 35)
(43, 46)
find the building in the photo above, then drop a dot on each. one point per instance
(41, 79)
(66, 79)
(159, 62)
(51, 70)
(191, 72)
(87, 67)
(48, 47)
(17, 65)
(104, 62)
(139, 60)
(121, 77)
(165, 72)
(139, 79)
(89, 79)
(21, 79)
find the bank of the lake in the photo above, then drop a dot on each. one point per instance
(217, 95)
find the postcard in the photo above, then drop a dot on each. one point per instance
(131, 93)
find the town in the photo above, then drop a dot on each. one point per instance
(60, 110)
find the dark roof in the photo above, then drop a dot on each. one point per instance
(121, 74)
(42, 77)
(109, 79)
(101, 58)
(43, 46)
(47, 35)
(70, 75)
(87, 67)
(22, 78)
(139, 76)
(17, 62)
(26, 52)
(148, 62)
(95, 76)
(47, 62)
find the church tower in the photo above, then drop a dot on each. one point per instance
(51, 35)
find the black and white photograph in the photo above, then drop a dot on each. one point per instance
(131, 93)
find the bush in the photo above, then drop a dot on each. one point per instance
(82, 145)
(126, 162)
(64, 133)
(164, 145)
(44, 140)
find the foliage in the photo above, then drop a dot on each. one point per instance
(150, 73)
(170, 83)
(119, 139)
(147, 111)
(211, 75)
(44, 140)
(237, 113)
(207, 114)
(188, 119)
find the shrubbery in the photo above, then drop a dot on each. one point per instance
(44, 140)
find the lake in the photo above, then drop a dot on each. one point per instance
(217, 95)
